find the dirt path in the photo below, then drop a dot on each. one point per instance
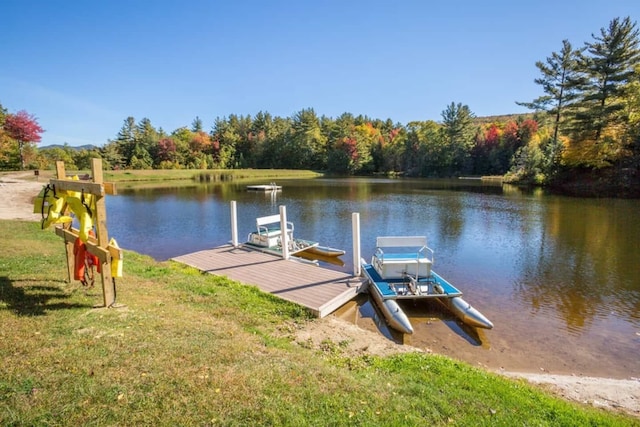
(20, 188)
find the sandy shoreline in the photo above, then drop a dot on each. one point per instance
(615, 394)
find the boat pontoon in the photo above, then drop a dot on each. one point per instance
(401, 268)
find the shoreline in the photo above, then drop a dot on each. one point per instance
(608, 393)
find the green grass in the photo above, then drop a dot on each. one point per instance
(155, 178)
(193, 349)
(205, 175)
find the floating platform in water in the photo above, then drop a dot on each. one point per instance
(264, 187)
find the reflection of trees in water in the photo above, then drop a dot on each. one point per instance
(581, 266)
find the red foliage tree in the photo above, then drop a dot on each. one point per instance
(492, 136)
(200, 142)
(349, 146)
(511, 134)
(167, 150)
(528, 128)
(393, 133)
(23, 128)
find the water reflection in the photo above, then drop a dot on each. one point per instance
(581, 264)
(524, 258)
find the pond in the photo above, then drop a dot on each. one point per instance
(557, 276)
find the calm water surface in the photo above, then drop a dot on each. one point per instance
(558, 276)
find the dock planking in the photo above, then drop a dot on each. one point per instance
(320, 290)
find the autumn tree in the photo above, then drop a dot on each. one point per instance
(24, 130)
(389, 159)
(175, 152)
(166, 153)
(343, 156)
(487, 151)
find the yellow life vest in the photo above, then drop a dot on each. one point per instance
(51, 206)
(82, 208)
(116, 261)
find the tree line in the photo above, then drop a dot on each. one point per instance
(587, 118)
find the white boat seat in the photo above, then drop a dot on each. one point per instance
(397, 256)
(269, 226)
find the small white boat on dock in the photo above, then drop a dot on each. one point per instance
(268, 236)
(401, 269)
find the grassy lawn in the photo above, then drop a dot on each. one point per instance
(177, 177)
(193, 349)
(205, 174)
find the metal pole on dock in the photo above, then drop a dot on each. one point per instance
(284, 236)
(355, 227)
(234, 224)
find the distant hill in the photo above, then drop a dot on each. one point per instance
(78, 148)
(502, 118)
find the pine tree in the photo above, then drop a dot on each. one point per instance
(607, 70)
(196, 125)
(125, 140)
(558, 81)
(458, 136)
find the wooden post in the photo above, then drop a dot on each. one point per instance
(284, 235)
(355, 227)
(68, 246)
(234, 224)
(108, 286)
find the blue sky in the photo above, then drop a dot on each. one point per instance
(83, 67)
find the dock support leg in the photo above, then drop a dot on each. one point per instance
(355, 226)
(284, 234)
(234, 224)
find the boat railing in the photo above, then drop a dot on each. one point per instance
(270, 226)
(405, 243)
(403, 250)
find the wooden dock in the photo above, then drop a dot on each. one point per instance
(318, 289)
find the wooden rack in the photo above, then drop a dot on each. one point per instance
(98, 246)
